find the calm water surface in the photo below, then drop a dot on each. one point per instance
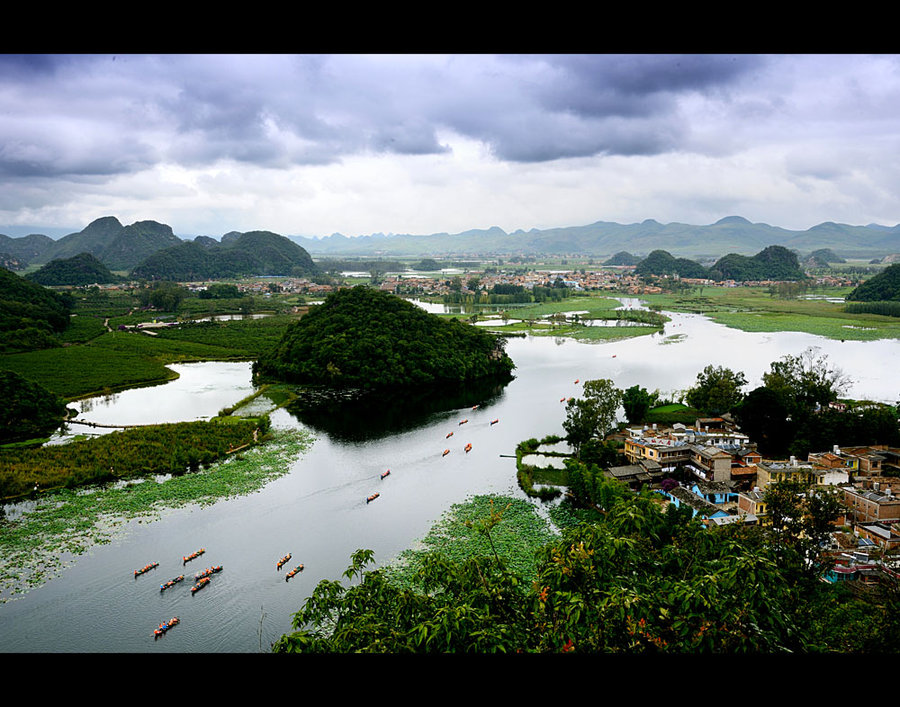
(318, 512)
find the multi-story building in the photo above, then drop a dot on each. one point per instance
(865, 506)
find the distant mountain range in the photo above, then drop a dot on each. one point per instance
(124, 248)
(151, 250)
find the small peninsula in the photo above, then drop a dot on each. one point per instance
(367, 339)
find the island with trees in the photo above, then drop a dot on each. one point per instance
(366, 339)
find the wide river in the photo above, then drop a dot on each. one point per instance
(318, 511)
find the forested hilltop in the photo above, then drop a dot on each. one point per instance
(251, 253)
(30, 315)
(772, 263)
(365, 338)
(82, 269)
(885, 286)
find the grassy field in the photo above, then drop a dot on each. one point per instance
(590, 307)
(754, 309)
(108, 361)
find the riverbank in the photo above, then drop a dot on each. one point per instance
(754, 309)
(40, 537)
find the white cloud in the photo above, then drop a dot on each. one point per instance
(420, 144)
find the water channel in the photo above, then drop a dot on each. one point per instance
(318, 512)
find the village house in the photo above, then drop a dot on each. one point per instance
(869, 506)
(773, 472)
(684, 497)
(752, 503)
(885, 535)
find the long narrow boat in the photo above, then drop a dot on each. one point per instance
(449, 435)
(283, 561)
(468, 447)
(193, 555)
(494, 422)
(208, 571)
(202, 583)
(298, 568)
(385, 474)
(162, 628)
(171, 583)
(146, 568)
(372, 497)
(462, 422)
(446, 452)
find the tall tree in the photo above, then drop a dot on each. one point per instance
(594, 414)
(637, 403)
(718, 389)
(806, 380)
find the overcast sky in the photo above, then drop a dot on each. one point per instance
(361, 144)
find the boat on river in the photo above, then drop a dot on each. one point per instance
(209, 571)
(162, 628)
(468, 447)
(449, 435)
(462, 422)
(385, 474)
(283, 561)
(495, 421)
(202, 583)
(298, 568)
(193, 555)
(446, 452)
(171, 583)
(146, 568)
(372, 497)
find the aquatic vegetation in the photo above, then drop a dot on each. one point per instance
(460, 534)
(39, 542)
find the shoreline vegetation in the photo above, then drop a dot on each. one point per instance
(42, 535)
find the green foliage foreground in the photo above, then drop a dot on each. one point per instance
(641, 579)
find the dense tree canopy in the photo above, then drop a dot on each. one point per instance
(884, 286)
(30, 315)
(29, 410)
(638, 579)
(593, 415)
(81, 269)
(364, 338)
(637, 402)
(251, 253)
(718, 390)
(773, 263)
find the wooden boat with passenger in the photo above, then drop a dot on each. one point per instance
(208, 572)
(283, 561)
(146, 568)
(298, 568)
(162, 628)
(192, 556)
(171, 583)
(202, 583)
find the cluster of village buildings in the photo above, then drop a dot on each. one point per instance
(620, 279)
(726, 481)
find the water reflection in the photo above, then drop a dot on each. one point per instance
(357, 417)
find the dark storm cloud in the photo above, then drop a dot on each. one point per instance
(104, 115)
(579, 106)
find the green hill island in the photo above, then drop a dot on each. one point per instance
(367, 339)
